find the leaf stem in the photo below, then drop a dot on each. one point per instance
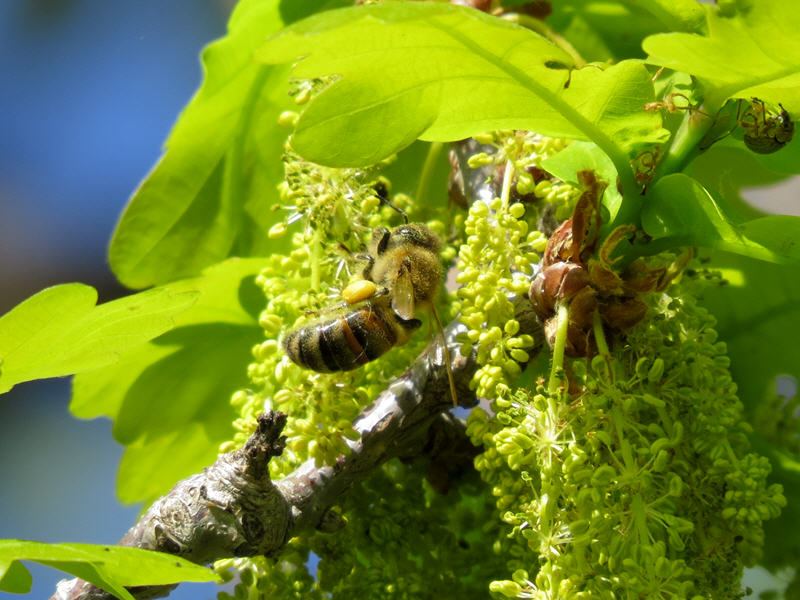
(685, 144)
(599, 335)
(508, 176)
(425, 177)
(562, 323)
(316, 257)
(639, 512)
(602, 345)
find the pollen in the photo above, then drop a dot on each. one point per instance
(358, 291)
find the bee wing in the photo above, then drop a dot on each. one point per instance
(403, 296)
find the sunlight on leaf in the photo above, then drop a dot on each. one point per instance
(60, 331)
(754, 53)
(580, 156)
(107, 567)
(681, 209)
(439, 72)
(211, 191)
(176, 389)
(758, 327)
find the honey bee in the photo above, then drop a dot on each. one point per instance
(402, 276)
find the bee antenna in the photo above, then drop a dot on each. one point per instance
(393, 207)
(381, 189)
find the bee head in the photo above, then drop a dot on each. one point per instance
(414, 234)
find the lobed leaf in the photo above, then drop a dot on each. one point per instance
(594, 29)
(758, 317)
(440, 72)
(580, 156)
(726, 169)
(60, 331)
(210, 193)
(169, 399)
(680, 210)
(675, 15)
(781, 550)
(107, 567)
(753, 53)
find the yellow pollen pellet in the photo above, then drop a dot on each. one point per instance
(358, 291)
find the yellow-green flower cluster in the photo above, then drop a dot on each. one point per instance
(499, 254)
(406, 541)
(402, 540)
(642, 485)
(526, 151)
(262, 577)
(334, 211)
(495, 260)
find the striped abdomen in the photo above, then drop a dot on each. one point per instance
(344, 342)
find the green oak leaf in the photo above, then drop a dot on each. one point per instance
(14, 577)
(679, 209)
(781, 550)
(292, 10)
(753, 53)
(406, 176)
(440, 72)
(169, 399)
(675, 15)
(211, 192)
(759, 327)
(726, 169)
(579, 156)
(60, 330)
(593, 28)
(152, 464)
(107, 567)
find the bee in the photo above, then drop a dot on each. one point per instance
(402, 276)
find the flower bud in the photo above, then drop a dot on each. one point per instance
(507, 588)
(277, 230)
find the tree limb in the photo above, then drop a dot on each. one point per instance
(232, 508)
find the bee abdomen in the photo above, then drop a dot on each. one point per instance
(342, 343)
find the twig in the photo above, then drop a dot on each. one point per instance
(232, 508)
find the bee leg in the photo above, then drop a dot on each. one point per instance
(366, 273)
